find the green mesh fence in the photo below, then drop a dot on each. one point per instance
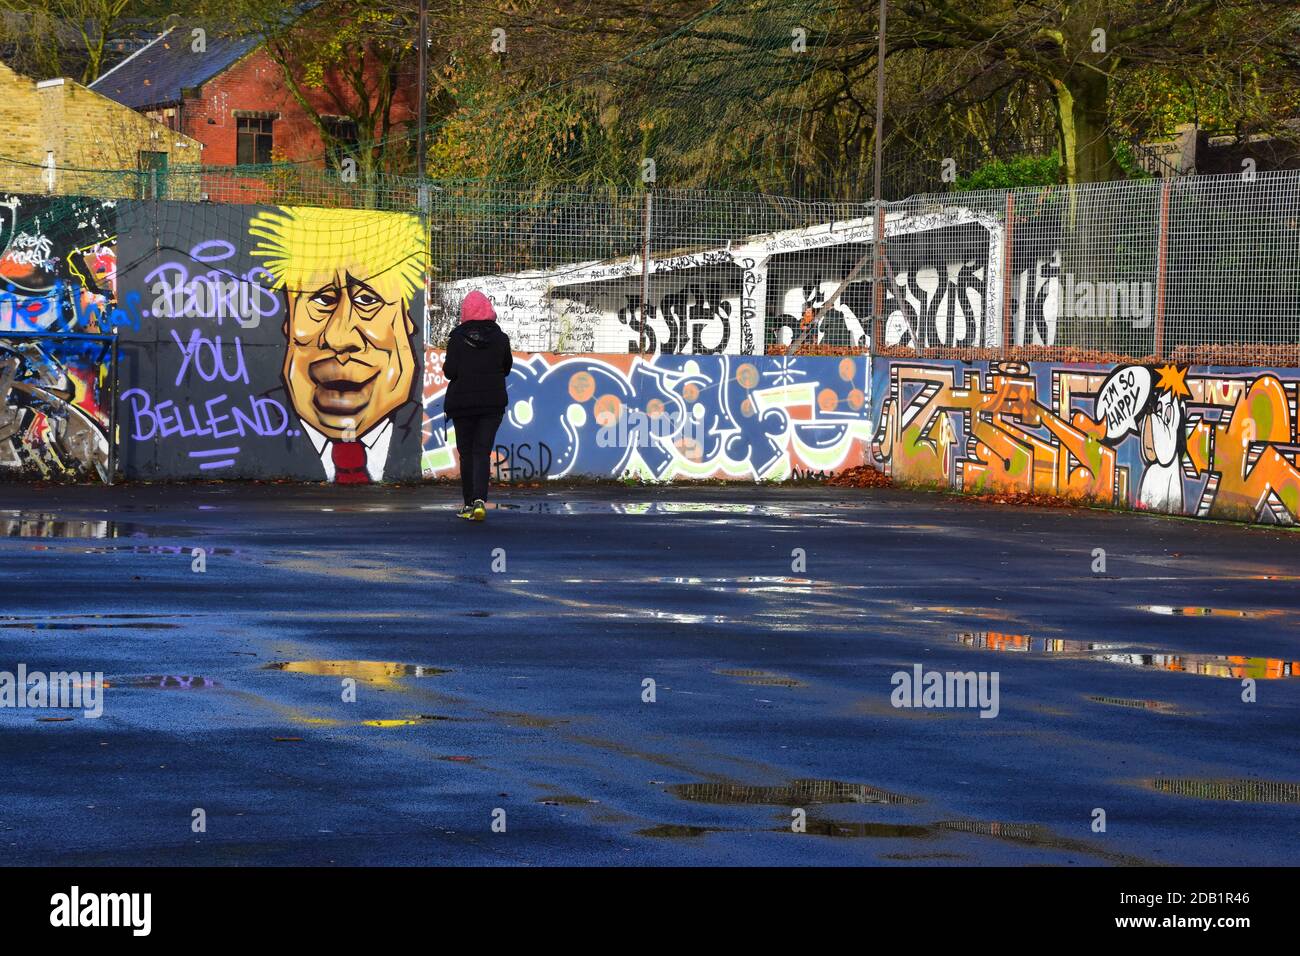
(1200, 269)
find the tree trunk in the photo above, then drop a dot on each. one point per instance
(1082, 127)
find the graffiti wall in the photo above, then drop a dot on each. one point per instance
(756, 295)
(666, 417)
(286, 342)
(1210, 442)
(275, 342)
(58, 301)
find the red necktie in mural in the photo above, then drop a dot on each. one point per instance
(349, 463)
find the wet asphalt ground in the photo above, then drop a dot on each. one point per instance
(511, 685)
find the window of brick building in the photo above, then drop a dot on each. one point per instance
(253, 139)
(344, 133)
(152, 184)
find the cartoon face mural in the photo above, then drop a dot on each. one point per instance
(668, 417)
(1161, 487)
(1209, 442)
(348, 279)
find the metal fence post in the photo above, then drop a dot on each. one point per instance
(1162, 266)
(878, 285)
(1008, 245)
(112, 413)
(645, 276)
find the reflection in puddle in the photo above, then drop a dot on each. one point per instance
(840, 828)
(1236, 791)
(566, 800)
(1034, 834)
(399, 721)
(677, 831)
(645, 508)
(26, 524)
(745, 584)
(1210, 665)
(528, 720)
(1205, 665)
(377, 672)
(759, 678)
(1023, 643)
(47, 526)
(1169, 610)
(1159, 706)
(47, 624)
(168, 682)
(794, 794)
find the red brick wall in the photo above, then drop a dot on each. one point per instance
(257, 83)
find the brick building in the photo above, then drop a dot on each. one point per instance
(56, 132)
(232, 98)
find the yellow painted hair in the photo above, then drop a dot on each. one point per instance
(305, 249)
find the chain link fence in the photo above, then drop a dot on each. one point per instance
(1200, 270)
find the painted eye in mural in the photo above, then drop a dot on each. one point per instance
(365, 300)
(326, 298)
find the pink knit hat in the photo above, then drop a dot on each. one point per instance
(476, 308)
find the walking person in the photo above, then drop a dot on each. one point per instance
(477, 363)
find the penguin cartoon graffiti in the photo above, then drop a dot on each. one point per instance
(1164, 442)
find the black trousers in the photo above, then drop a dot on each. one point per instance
(475, 436)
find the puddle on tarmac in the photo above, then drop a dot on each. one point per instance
(528, 720)
(1167, 610)
(997, 614)
(1037, 835)
(676, 831)
(645, 508)
(745, 584)
(185, 552)
(404, 721)
(1204, 665)
(376, 672)
(167, 682)
(566, 800)
(759, 678)
(1025, 644)
(1159, 706)
(794, 794)
(854, 830)
(89, 623)
(1234, 791)
(1210, 665)
(23, 524)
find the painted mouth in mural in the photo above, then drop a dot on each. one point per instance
(341, 389)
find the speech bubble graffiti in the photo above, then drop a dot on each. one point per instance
(1122, 398)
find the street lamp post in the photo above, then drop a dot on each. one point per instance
(878, 296)
(422, 93)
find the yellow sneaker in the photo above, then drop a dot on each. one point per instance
(480, 509)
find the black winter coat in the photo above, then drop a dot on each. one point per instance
(477, 363)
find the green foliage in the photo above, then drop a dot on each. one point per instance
(1008, 174)
(1125, 156)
